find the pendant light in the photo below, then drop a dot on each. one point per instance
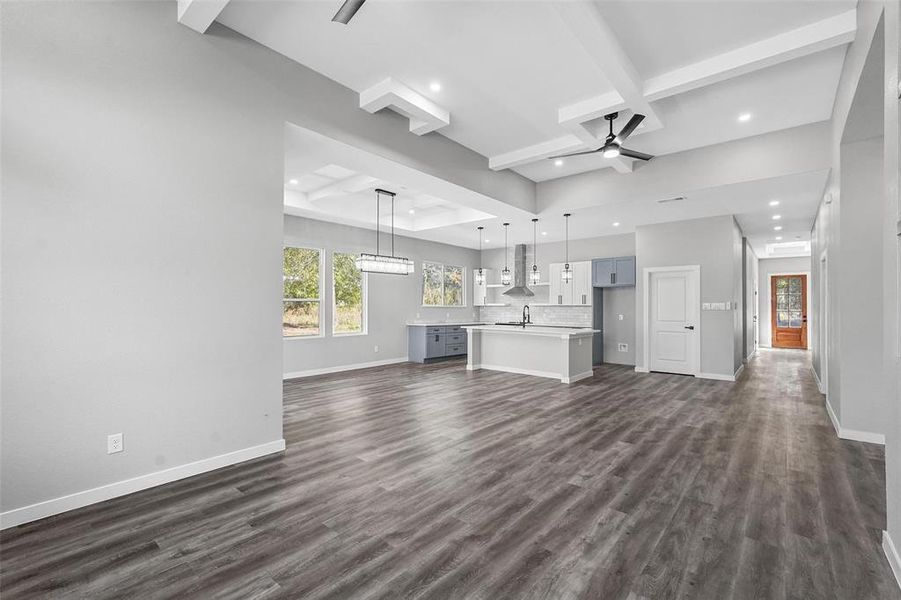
(535, 275)
(506, 279)
(567, 270)
(480, 275)
(378, 263)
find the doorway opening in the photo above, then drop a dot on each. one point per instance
(788, 311)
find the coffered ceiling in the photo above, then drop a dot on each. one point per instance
(521, 81)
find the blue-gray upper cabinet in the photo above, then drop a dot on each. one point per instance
(613, 272)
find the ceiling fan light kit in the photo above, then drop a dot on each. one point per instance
(613, 145)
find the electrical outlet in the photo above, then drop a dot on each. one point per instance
(376, 348)
(114, 443)
(622, 347)
(417, 315)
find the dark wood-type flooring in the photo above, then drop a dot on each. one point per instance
(415, 481)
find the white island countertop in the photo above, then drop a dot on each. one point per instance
(445, 324)
(562, 353)
(540, 330)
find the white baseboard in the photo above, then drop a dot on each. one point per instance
(518, 371)
(817, 379)
(717, 376)
(853, 435)
(578, 377)
(33, 512)
(340, 368)
(641, 369)
(738, 371)
(891, 553)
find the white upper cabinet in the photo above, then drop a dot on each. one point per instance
(575, 292)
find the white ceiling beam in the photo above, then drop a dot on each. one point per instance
(199, 14)
(561, 145)
(424, 115)
(600, 42)
(350, 185)
(580, 119)
(809, 39)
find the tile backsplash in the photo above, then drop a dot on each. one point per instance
(542, 315)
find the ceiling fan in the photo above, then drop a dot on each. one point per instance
(347, 11)
(613, 145)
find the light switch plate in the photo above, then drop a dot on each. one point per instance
(620, 317)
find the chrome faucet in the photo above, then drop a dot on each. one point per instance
(526, 315)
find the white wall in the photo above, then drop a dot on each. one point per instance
(767, 267)
(710, 243)
(392, 300)
(141, 241)
(617, 301)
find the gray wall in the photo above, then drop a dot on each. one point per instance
(750, 307)
(860, 264)
(142, 232)
(829, 238)
(890, 265)
(711, 244)
(392, 300)
(778, 266)
(618, 301)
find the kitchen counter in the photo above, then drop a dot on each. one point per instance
(563, 331)
(446, 324)
(555, 352)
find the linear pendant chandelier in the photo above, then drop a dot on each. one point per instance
(379, 263)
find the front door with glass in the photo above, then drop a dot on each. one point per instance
(788, 310)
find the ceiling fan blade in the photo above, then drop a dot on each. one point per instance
(347, 11)
(574, 154)
(629, 128)
(634, 154)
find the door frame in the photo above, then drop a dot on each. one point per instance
(822, 331)
(769, 302)
(646, 317)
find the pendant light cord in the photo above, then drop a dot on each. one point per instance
(378, 217)
(392, 226)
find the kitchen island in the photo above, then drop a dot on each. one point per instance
(562, 353)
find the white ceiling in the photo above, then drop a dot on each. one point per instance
(336, 182)
(507, 68)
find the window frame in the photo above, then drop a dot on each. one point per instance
(365, 300)
(463, 285)
(321, 285)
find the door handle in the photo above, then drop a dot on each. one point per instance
(611, 278)
(614, 278)
(692, 327)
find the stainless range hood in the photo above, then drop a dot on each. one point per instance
(520, 272)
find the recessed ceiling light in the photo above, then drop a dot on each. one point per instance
(544, 233)
(777, 217)
(435, 86)
(616, 224)
(744, 117)
(558, 162)
(412, 211)
(774, 203)
(487, 241)
(292, 181)
(777, 228)
(778, 237)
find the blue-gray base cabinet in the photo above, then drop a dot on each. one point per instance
(613, 272)
(435, 341)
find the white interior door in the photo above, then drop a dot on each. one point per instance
(674, 318)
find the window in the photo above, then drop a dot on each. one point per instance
(301, 306)
(349, 293)
(788, 302)
(442, 285)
